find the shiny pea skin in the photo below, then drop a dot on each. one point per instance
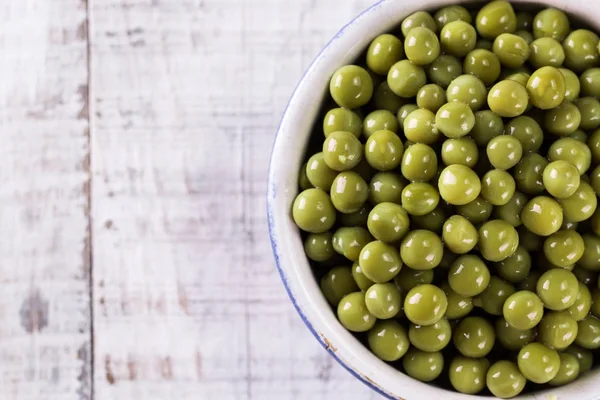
(459, 235)
(467, 375)
(388, 340)
(383, 300)
(380, 262)
(337, 283)
(353, 313)
(351, 87)
(388, 222)
(349, 192)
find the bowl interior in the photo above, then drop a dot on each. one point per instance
(287, 157)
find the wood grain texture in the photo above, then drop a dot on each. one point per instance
(45, 334)
(185, 100)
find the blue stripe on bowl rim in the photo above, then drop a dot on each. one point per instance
(271, 198)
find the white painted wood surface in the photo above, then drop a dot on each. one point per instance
(135, 263)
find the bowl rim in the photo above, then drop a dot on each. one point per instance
(285, 240)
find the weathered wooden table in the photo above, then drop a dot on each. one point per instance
(135, 139)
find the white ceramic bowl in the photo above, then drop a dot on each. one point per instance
(287, 155)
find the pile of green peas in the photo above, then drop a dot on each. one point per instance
(449, 201)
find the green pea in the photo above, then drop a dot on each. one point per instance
(349, 192)
(355, 219)
(573, 87)
(546, 88)
(448, 14)
(590, 82)
(561, 179)
(515, 268)
(386, 187)
(383, 150)
(404, 111)
(584, 357)
(581, 49)
(589, 109)
(538, 363)
(467, 375)
(564, 248)
(460, 151)
(459, 235)
(523, 310)
(419, 127)
(496, 18)
(474, 337)
(405, 78)
(313, 211)
(505, 380)
(420, 198)
(591, 253)
(319, 174)
(581, 205)
(361, 280)
(557, 330)
(497, 187)
(380, 262)
(430, 338)
(431, 97)
(458, 38)
(420, 18)
(409, 278)
(542, 215)
(511, 211)
(421, 46)
(455, 119)
(568, 371)
(385, 99)
(511, 50)
(511, 338)
(477, 211)
(467, 89)
(504, 152)
(588, 335)
(458, 306)
(519, 77)
(468, 276)
(444, 70)
(425, 305)
(388, 340)
(581, 308)
(563, 120)
(493, 298)
(388, 222)
(483, 64)
(459, 185)
(422, 365)
(383, 300)
(338, 283)
(353, 313)
(342, 151)
(594, 145)
(385, 51)
(558, 289)
(349, 241)
(380, 120)
(546, 52)
(318, 247)
(340, 119)
(552, 23)
(508, 98)
(419, 163)
(432, 221)
(421, 250)
(487, 126)
(498, 240)
(351, 87)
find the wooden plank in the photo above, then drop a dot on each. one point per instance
(44, 174)
(186, 97)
